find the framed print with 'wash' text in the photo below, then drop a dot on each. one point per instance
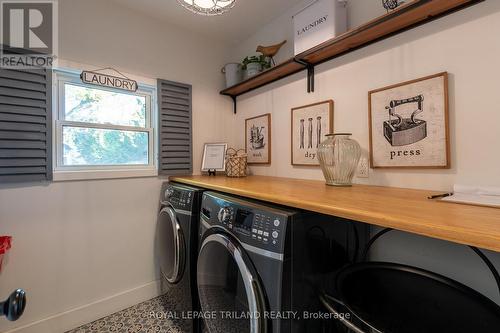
(258, 139)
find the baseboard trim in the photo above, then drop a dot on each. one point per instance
(73, 318)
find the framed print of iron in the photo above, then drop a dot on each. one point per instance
(258, 139)
(409, 124)
(310, 124)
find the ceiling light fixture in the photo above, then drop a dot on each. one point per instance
(208, 7)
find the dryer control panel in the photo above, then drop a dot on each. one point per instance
(251, 223)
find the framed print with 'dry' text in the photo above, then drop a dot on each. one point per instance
(409, 124)
(310, 124)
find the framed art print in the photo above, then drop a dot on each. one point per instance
(258, 139)
(214, 157)
(310, 124)
(409, 124)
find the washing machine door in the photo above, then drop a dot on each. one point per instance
(229, 287)
(171, 246)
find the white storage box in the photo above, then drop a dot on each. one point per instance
(318, 22)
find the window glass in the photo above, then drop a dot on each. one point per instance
(93, 105)
(95, 146)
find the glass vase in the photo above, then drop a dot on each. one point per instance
(338, 156)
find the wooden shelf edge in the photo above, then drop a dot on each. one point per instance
(406, 17)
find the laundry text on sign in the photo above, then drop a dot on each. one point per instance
(109, 81)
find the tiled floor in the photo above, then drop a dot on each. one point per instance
(136, 319)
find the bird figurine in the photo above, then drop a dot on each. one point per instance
(270, 51)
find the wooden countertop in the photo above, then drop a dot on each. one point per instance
(402, 209)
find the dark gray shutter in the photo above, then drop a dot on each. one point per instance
(25, 125)
(175, 128)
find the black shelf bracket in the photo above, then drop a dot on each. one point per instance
(310, 74)
(234, 103)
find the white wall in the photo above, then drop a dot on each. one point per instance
(85, 249)
(76, 243)
(465, 44)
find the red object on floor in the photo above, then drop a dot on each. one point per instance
(5, 245)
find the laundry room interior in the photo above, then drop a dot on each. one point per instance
(235, 166)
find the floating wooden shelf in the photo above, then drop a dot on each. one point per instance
(410, 15)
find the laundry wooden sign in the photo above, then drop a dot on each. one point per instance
(109, 81)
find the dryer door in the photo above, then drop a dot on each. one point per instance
(229, 287)
(171, 246)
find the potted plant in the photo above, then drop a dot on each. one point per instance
(253, 65)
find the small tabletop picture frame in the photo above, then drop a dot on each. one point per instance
(409, 124)
(214, 157)
(310, 124)
(258, 139)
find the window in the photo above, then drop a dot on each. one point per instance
(102, 132)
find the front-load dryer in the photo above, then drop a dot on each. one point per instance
(243, 271)
(177, 248)
(259, 265)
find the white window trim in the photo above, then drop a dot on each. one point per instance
(65, 173)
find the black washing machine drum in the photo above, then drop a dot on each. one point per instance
(394, 298)
(229, 287)
(171, 246)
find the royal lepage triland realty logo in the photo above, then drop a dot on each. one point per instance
(28, 36)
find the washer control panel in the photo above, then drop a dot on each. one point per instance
(178, 197)
(251, 223)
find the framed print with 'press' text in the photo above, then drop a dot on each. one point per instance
(409, 124)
